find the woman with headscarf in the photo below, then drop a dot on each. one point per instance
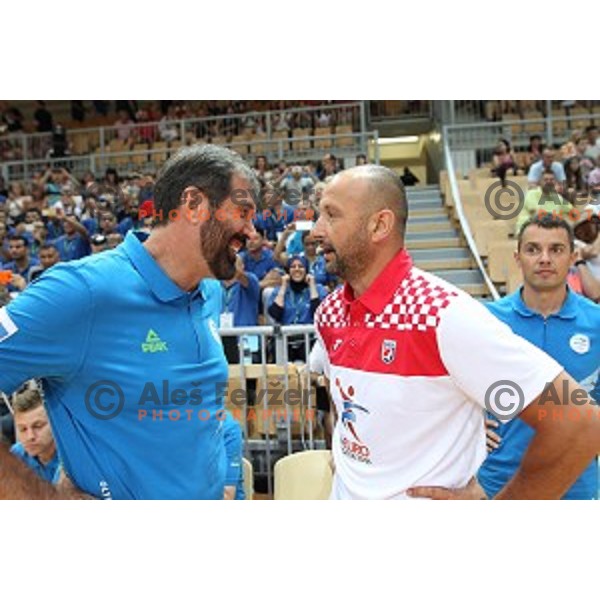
(295, 301)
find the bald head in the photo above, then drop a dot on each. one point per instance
(374, 188)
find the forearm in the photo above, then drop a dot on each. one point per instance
(18, 482)
(553, 463)
(590, 285)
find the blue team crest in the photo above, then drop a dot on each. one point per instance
(388, 351)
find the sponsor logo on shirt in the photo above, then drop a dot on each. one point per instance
(354, 449)
(153, 343)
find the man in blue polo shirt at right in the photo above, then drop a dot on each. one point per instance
(127, 348)
(547, 313)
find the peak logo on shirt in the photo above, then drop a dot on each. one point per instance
(153, 343)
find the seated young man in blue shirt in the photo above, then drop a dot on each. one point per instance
(35, 445)
(127, 347)
(547, 313)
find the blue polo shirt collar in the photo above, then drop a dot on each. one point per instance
(161, 285)
(567, 311)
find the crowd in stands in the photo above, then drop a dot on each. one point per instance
(56, 217)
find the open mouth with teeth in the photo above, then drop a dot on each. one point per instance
(237, 242)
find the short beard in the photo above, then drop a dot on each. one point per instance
(214, 244)
(355, 260)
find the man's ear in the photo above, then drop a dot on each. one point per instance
(194, 205)
(192, 197)
(382, 224)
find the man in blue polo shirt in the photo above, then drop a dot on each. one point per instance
(35, 445)
(127, 347)
(563, 324)
(239, 308)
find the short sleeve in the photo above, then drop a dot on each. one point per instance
(318, 359)
(44, 331)
(483, 354)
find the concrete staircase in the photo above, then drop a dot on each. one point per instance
(436, 245)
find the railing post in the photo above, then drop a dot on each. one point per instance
(452, 112)
(363, 116)
(182, 127)
(376, 142)
(102, 142)
(549, 122)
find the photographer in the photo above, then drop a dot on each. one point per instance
(295, 302)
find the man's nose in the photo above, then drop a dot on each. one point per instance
(317, 231)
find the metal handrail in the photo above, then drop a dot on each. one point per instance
(464, 224)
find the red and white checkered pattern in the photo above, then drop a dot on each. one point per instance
(331, 312)
(415, 305)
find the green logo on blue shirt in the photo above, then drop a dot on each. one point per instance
(153, 343)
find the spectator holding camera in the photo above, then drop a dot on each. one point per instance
(295, 301)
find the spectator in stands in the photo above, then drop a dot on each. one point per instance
(361, 159)
(124, 126)
(503, 160)
(262, 170)
(35, 445)
(408, 177)
(234, 442)
(587, 241)
(101, 107)
(534, 151)
(240, 303)
(39, 238)
(329, 167)
(295, 302)
(546, 197)
(593, 182)
(295, 183)
(21, 263)
(60, 144)
(43, 118)
(145, 132)
(78, 111)
(4, 254)
(48, 257)
(274, 218)
(74, 243)
(168, 128)
(113, 240)
(574, 180)
(593, 148)
(17, 198)
(316, 262)
(537, 169)
(12, 119)
(258, 259)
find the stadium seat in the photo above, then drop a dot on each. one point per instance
(346, 140)
(501, 260)
(323, 143)
(301, 138)
(533, 127)
(141, 156)
(304, 476)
